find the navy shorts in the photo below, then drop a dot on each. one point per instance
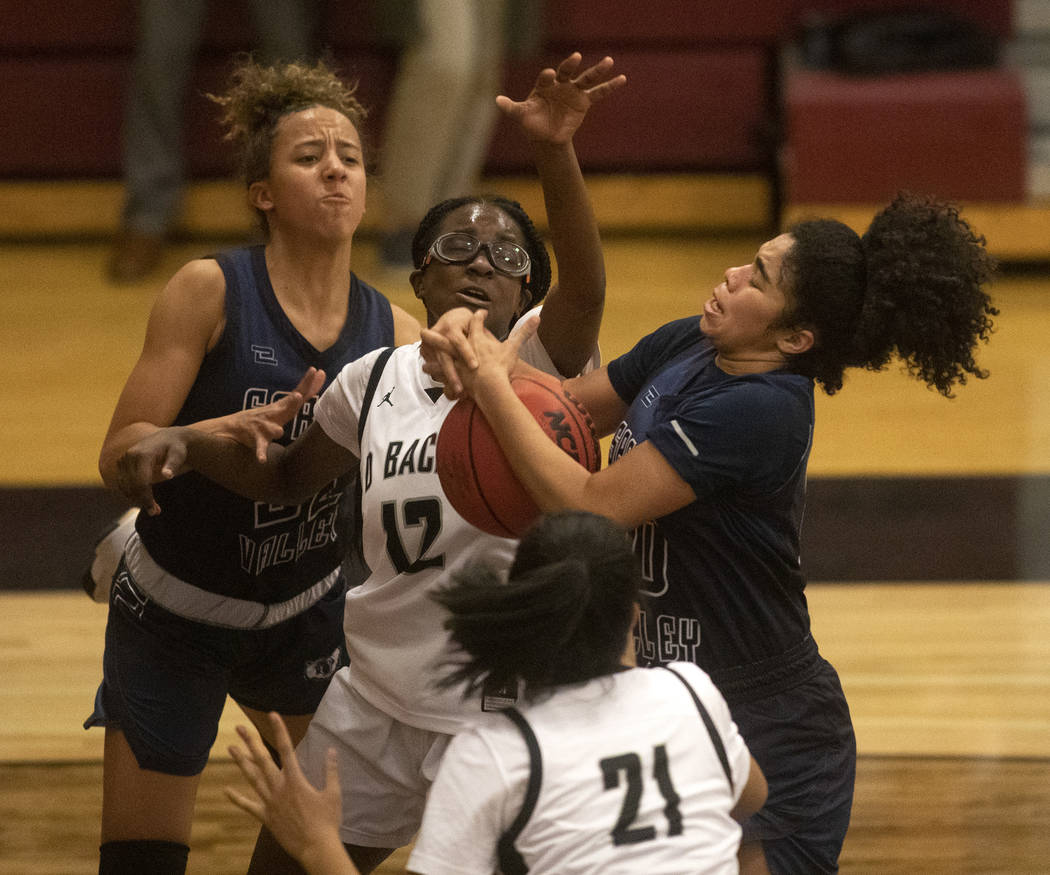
(803, 740)
(165, 679)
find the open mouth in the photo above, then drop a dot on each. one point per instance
(473, 297)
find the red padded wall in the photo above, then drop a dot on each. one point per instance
(701, 78)
(962, 136)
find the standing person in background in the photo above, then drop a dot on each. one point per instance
(713, 420)
(603, 768)
(168, 36)
(386, 712)
(453, 54)
(222, 595)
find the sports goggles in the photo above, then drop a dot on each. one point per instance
(459, 248)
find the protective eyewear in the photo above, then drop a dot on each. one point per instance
(459, 248)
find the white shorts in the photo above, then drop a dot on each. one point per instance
(386, 767)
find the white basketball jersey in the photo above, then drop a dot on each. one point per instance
(413, 539)
(631, 782)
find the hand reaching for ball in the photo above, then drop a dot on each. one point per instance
(458, 351)
(475, 474)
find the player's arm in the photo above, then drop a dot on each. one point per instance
(285, 475)
(549, 117)
(447, 349)
(639, 486)
(753, 796)
(185, 322)
(594, 391)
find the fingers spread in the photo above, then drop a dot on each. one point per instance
(282, 740)
(567, 68)
(252, 806)
(600, 92)
(310, 383)
(260, 757)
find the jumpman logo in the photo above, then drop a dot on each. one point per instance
(386, 398)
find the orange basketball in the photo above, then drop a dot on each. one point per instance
(474, 472)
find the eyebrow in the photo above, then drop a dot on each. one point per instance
(320, 141)
(761, 265)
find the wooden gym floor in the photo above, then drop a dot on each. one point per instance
(926, 547)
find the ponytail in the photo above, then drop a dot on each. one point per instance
(925, 302)
(912, 286)
(561, 616)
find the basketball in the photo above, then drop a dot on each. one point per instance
(474, 472)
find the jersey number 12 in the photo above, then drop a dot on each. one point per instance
(415, 513)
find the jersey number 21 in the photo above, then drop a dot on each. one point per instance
(630, 766)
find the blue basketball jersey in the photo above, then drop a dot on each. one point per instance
(213, 538)
(724, 585)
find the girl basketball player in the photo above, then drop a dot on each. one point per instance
(712, 420)
(389, 719)
(603, 768)
(204, 603)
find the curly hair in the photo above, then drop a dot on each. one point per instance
(258, 97)
(911, 287)
(561, 616)
(540, 272)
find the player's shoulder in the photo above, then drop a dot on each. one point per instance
(402, 363)
(202, 275)
(694, 677)
(692, 673)
(193, 298)
(662, 346)
(767, 404)
(495, 740)
(350, 383)
(394, 358)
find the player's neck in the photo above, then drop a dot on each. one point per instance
(309, 277)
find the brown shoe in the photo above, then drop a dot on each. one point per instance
(134, 256)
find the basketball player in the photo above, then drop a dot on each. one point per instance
(602, 767)
(221, 595)
(713, 420)
(390, 720)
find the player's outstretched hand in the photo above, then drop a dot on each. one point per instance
(560, 99)
(163, 454)
(256, 427)
(303, 819)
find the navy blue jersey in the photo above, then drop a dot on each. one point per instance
(213, 538)
(725, 586)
